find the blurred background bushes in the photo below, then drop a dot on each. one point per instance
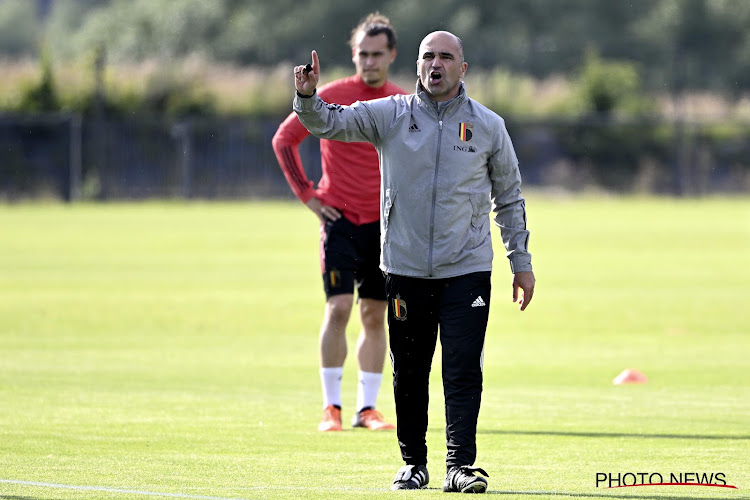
(639, 95)
(527, 57)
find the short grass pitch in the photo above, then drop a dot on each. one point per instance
(169, 350)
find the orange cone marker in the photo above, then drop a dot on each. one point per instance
(630, 376)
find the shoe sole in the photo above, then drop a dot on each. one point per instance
(405, 488)
(373, 428)
(477, 487)
(383, 428)
(332, 428)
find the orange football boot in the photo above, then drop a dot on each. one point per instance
(372, 419)
(331, 419)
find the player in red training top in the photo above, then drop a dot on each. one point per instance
(347, 202)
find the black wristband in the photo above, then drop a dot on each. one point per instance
(303, 96)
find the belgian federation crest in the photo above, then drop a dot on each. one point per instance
(399, 308)
(465, 131)
(335, 278)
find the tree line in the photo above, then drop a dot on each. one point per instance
(676, 44)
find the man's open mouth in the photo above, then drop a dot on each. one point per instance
(435, 77)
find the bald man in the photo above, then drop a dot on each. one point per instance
(446, 161)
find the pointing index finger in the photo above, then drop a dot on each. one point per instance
(315, 63)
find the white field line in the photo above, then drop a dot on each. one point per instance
(298, 488)
(176, 495)
(116, 490)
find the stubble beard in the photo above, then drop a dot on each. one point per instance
(372, 78)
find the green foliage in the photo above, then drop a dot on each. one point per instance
(513, 95)
(614, 151)
(616, 130)
(164, 95)
(133, 30)
(19, 28)
(42, 95)
(729, 141)
(694, 44)
(608, 86)
(167, 91)
(171, 96)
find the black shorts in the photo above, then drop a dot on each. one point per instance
(350, 254)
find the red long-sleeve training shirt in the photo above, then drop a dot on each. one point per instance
(351, 177)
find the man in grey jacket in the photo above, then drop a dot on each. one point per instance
(445, 162)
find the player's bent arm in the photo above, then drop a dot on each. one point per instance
(285, 145)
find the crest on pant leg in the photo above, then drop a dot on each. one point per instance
(399, 308)
(335, 278)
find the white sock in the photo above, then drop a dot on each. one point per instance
(367, 390)
(330, 379)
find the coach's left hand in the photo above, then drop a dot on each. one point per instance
(525, 281)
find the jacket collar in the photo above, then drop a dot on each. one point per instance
(422, 95)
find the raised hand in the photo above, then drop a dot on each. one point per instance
(306, 77)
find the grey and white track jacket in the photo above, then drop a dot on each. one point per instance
(441, 173)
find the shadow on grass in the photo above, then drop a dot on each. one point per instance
(555, 494)
(718, 437)
(550, 494)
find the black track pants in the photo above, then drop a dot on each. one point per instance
(416, 307)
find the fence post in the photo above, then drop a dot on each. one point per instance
(181, 132)
(75, 174)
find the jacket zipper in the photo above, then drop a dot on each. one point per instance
(434, 196)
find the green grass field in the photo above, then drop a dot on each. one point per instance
(163, 350)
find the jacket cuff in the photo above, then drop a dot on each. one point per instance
(303, 96)
(520, 262)
(304, 103)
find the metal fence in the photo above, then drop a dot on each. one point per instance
(40, 156)
(64, 156)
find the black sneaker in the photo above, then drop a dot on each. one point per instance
(411, 477)
(463, 479)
